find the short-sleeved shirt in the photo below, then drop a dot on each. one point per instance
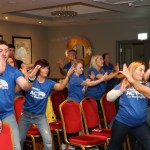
(7, 93)
(37, 96)
(133, 107)
(98, 90)
(76, 91)
(109, 68)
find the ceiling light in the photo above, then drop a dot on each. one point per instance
(39, 22)
(64, 12)
(6, 17)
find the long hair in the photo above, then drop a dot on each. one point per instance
(43, 63)
(13, 58)
(93, 60)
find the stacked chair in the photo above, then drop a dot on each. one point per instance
(91, 118)
(73, 129)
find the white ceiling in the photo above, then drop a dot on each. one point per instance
(89, 11)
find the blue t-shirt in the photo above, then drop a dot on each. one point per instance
(76, 91)
(98, 90)
(37, 96)
(67, 66)
(133, 107)
(7, 93)
(109, 68)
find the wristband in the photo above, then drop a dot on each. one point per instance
(31, 80)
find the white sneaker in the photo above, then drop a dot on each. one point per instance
(69, 147)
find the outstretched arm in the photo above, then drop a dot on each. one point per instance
(61, 86)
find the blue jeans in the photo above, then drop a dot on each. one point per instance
(120, 131)
(12, 121)
(27, 119)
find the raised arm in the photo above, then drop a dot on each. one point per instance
(26, 84)
(61, 86)
(139, 87)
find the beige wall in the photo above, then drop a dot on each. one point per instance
(38, 34)
(102, 37)
(50, 42)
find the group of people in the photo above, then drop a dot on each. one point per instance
(133, 91)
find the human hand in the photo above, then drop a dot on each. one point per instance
(126, 73)
(34, 71)
(70, 71)
(123, 85)
(60, 63)
(116, 68)
(92, 75)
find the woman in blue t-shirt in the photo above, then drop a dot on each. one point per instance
(78, 84)
(36, 100)
(98, 90)
(133, 104)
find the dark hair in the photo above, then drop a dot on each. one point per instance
(72, 50)
(104, 55)
(3, 42)
(43, 63)
(11, 46)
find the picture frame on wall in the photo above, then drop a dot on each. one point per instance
(23, 48)
(1, 37)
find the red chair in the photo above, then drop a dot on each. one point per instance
(56, 127)
(92, 119)
(33, 131)
(108, 109)
(73, 130)
(6, 139)
(109, 112)
(57, 98)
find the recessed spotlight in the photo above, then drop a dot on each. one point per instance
(39, 22)
(6, 17)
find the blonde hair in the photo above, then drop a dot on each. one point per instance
(77, 61)
(93, 60)
(132, 67)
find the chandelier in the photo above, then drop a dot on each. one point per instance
(64, 12)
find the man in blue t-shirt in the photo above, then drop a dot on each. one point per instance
(9, 77)
(71, 55)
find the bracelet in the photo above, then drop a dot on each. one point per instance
(31, 80)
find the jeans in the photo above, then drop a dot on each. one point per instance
(16, 139)
(120, 131)
(27, 119)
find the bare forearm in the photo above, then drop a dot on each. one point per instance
(141, 88)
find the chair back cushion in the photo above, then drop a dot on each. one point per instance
(109, 109)
(71, 116)
(90, 112)
(18, 107)
(6, 140)
(57, 98)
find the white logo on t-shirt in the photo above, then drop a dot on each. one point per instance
(3, 84)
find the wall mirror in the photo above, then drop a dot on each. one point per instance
(82, 46)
